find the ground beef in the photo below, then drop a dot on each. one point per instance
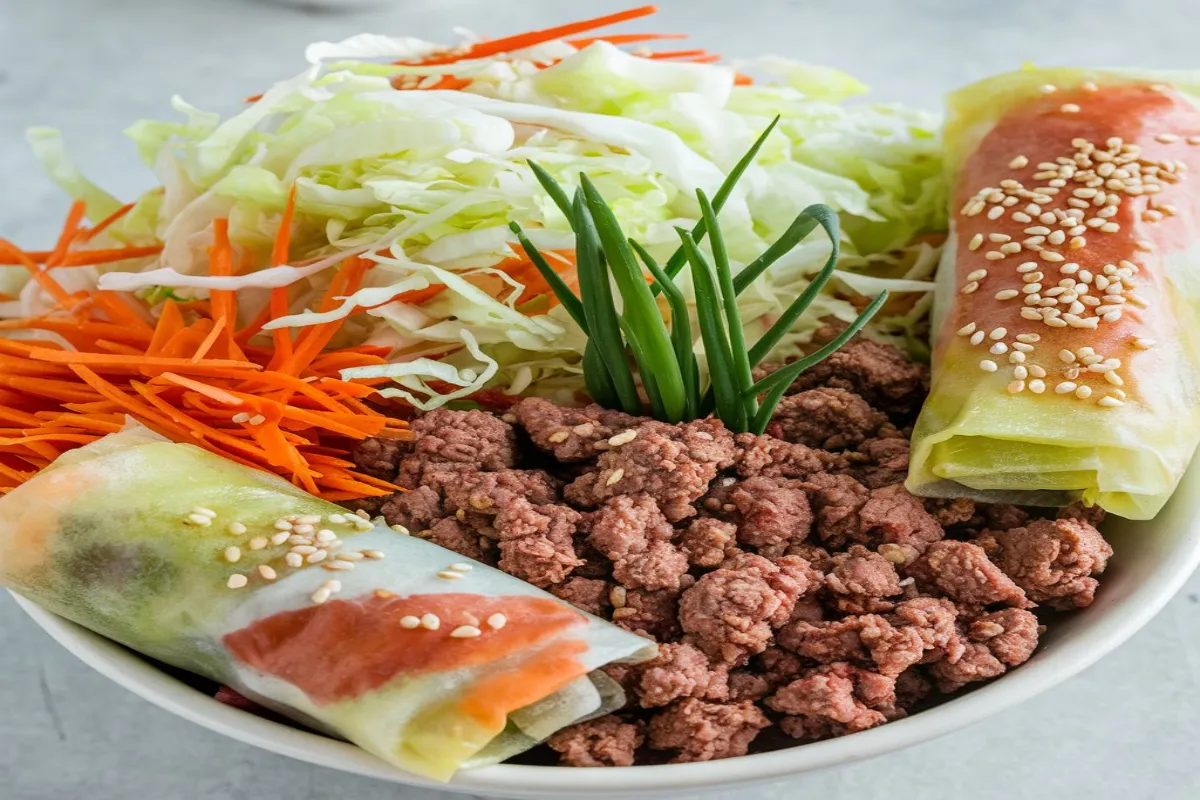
(673, 464)
(571, 434)
(769, 457)
(1052, 560)
(950, 512)
(652, 613)
(707, 542)
(868, 639)
(837, 694)
(454, 535)
(379, 458)
(632, 532)
(702, 731)
(912, 687)
(679, 671)
(818, 557)
(886, 462)
(730, 612)
(861, 581)
(475, 439)
(587, 594)
(604, 742)
(487, 492)
(536, 542)
(838, 500)
(997, 642)
(774, 512)
(747, 685)
(934, 619)
(893, 516)
(416, 510)
(1092, 515)
(1002, 516)
(827, 419)
(962, 572)
(881, 374)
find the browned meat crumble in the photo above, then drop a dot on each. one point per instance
(796, 589)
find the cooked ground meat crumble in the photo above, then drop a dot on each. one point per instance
(797, 590)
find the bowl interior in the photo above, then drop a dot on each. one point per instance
(1151, 562)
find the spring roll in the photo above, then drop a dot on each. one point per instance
(406, 649)
(1068, 302)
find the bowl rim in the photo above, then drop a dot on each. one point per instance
(1116, 622)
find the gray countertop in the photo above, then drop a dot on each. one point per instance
(1128, 728)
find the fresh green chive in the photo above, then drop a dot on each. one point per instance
(557, 285)
(681, 329)
(553, 188)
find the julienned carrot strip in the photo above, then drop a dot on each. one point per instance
(49, 437)
(224, 303)
(51, 286)
(170, 322)
(118, 311)
(624, 38)
(102, 359)
(81, 330)
(674, 54)
(103, 225)
(317, 337)
(91, 258)
(210, 339)
(62, 390)
(117, 347)
(69, 231)
(524, 40)
(279, 297)
(213, 392)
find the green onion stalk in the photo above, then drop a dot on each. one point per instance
(638, 338)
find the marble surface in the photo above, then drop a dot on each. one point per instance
(1127, 729)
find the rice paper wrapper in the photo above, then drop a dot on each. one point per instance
(1030, 435)
(129, 537)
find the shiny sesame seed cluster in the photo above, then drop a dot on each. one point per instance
(1062, 203)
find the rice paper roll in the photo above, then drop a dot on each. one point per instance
(1066, 360)
(130, 537)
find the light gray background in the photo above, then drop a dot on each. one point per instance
(1126, 729)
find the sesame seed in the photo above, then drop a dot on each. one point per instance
(400, 529)
(408, 622)
(1108, 401)
(1069, 108)
(430, 622)
(976, 242)
(615, 476)
(304, 549)
(282, 525)
(461, 566)
(1114, 378)
(451, 576)
(1167, 138)
(1016, 387)
(338, 565)
(293, 560)
(241, 418)
(1055, 322)
(1020, 372)
(1021, 216)
(1046, 218)
(267, 572)
(351, 556)
(280, 537)
(1050, 255)
(303, 529)
(321, 595)
(1033, 241)
(1083, 392)
(204, 512)
(999, 348)
(363, 525)
(233, 554)
(976, 275)
(258, 543)
(1028, 266)
(1018, 162)
(1144, 244)
(1142, 343)
(1006, 294)
(1088, 86)
(993, 255)
(558, 437)
(237, 581)
(1048, 88)
(1066, 387)
(1031, 314)
(257, 419)
(199, 520)
(317, 557)
(1016, 357)
(1110, 227)
(995, 212)
(236, 528)
(465, 632)
(988, 365)
(326, 535)
(967, 330)
(1100, 368)
(1010, 248)
(998, 334)
(976, 337)
(377, 555)
(1037, 386)
(1031, 288)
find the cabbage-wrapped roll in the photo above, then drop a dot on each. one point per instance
(400, 646)
(1068, 302)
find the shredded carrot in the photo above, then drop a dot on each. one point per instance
(624, 38)
(102, 225)
(189, 376)
(279, 297)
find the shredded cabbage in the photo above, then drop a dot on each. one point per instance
(425, 183)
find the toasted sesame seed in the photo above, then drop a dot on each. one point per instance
(257, 419)
(1031, 314)
(976, 337)
(236, 528)
(1018, 162)
(615, 476)
(1021, 216)
(1020, 372)
(280, 537)
(199, 520)
(975, 275)
(233, 554)
(1066, 387)
(339, 565)
(282, 525)
(1083, 392)
(237, 581)
(409, 622)
(241, 418)
(976, 241)
(1110, 227)
(321, 595)
(1050, 255)
(988, 365)
(465, 632)
(1006, 294)
(999, 348)
(317, 557)
(995, 212)
(1047, 218)
(431, 622)
(967, 330)
(1055, 322)
(293, 560)
(267, 572)
(1011, 248)
(994, 255)
(377, 555)
(258, 543)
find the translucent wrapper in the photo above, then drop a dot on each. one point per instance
(1067, 358)
(130, 537)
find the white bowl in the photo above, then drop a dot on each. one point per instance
(1151, 562)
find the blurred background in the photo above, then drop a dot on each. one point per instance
(1127, 729)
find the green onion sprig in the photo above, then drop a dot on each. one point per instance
(665, 358)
